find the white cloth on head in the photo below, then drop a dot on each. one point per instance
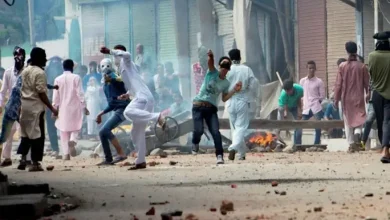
(106, 66)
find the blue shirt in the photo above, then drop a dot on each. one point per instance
(211, 88)
(112, 90)
(11, 110)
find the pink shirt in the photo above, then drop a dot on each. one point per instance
(69, 99)
(313, 94)
(9, 79)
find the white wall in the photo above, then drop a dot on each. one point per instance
(53, 48)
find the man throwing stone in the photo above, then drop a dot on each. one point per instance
(140, 109)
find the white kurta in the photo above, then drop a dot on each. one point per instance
(92, 96)
(239, 104)
(140, 109)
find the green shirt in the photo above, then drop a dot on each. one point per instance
(291, 100)
(379, 69)
(211, 88)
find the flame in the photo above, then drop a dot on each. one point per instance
(262, 139)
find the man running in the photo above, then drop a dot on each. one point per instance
(140, 109)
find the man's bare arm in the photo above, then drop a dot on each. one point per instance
(210, 61)
(227, 96)
(46, 101)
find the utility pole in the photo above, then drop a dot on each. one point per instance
(31, 21)
(359, 26)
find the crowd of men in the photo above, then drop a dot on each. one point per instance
(357, 85)
(130, 96)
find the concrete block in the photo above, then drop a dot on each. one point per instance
(29, 189)
(29, 206)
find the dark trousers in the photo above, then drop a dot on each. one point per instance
(379, 104)
(208, 114)
(36, 145)
(106, 134)
(52, 131)
(369, 121)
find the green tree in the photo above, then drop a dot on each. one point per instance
(14, 20)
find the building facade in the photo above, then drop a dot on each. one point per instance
(323, 28)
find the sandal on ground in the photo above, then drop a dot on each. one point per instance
(35, 168)
(6, 163)
(385, 159)
(119, 159)
(138, 166)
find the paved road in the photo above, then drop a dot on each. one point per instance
(336, 182)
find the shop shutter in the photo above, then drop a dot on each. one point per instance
(144, 26)
(92, 29)
(117, 24)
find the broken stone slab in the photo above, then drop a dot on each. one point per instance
(156, 152)
(4, 188)
(27, 206)
(3, 177)
(29, 189)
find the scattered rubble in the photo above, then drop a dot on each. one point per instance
(226, 206)
(369, 195)
(163, 154)
(159, 203)
(50, 168)
(151, 211)
(169, 215)
(172, 163)
(153, 163)
(191, 217)
(125, 164)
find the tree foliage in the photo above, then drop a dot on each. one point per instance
(14, 21)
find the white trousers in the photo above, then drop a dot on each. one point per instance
(65, 138)
(7, 146)
(350, 132)
(91, 126)
(139, 111)
(239, 122)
